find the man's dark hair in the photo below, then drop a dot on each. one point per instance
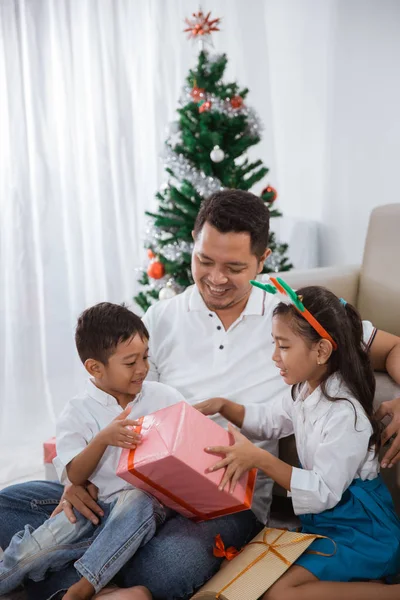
(102, 327)
(238, 211)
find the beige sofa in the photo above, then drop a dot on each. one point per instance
(374, 288)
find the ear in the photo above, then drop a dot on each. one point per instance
(262, 259)
(94, 367)
(324, 351)
(193, 236)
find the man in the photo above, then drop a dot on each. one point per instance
(212, 340)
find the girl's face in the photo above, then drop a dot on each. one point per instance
(296, 358)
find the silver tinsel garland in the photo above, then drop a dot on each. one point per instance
(273, 262)
(172, 251)
(254, 125)
(182, 168)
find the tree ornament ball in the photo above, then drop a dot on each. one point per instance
(217, 155)
(205, 107)
(237, 102)
(166, 293)
(150, 254)
(156, 270)
(197, 93)
(270, 190)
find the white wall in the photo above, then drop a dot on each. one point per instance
(335, 95)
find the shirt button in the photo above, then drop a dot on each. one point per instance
(221, 347)
(210, 315)
(219, 327)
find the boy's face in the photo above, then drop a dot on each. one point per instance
(126, 369)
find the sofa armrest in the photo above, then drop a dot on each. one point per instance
(342, 281)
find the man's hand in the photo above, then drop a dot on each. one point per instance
(239, 458)
(392, 409)
(83, 499)
(212, 406)
(119, 432)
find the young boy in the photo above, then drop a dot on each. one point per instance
(112, 343)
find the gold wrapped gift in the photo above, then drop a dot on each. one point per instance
(253, 570)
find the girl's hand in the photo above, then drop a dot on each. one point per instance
(239, 458)
(119, 432)
(211, 406)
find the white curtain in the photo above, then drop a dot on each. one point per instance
(87, 88)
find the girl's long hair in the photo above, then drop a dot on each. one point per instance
(351, 359)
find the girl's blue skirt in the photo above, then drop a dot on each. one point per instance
(366, 531)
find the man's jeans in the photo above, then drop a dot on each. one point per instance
(172, 565)
(129, 522)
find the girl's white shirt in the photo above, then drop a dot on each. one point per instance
(332, 440)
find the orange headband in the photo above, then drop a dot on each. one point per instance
(280, 286)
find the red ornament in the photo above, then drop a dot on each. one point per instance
(197, 93)
(201, 25)
(206, 106)
(150, 254)
(156, 269)
(270, 190)
(237, 102)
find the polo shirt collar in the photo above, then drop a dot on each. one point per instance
(102, 397)
(255, 304)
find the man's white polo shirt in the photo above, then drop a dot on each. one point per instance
(191, 351)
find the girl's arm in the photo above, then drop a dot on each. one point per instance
(271, 420)
(231, 411)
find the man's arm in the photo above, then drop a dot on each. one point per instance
(385, 356)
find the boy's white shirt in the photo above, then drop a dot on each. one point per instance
(332, 440)
(185, 353)
(87, 414)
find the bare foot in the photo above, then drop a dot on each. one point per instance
(134, 593)
(82, 590)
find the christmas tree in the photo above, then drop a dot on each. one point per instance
(205, 152)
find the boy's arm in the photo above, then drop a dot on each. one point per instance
(82, 466)
(80, 469)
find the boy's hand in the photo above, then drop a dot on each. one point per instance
(119, 432)
(211, 406)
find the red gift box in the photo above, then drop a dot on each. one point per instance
(170, 463)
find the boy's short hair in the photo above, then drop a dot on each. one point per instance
(102, 327)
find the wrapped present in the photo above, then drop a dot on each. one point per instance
(171, 464)
(259, 565)
(49, 452)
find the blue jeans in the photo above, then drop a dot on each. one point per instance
(172, 565)
(129, 522)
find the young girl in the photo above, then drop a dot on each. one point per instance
(337, 492)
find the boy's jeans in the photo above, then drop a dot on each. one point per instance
(173, 565)
(129, 522)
